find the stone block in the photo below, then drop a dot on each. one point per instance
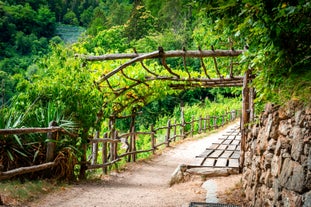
(284, 127)
(268, 108)
(297, 143)
(276, 165)
(267, 159)
(282, 143)
(308, 180)
(299, 118)
(268, 127)
(271, 145)
(268, 179)
(276, 187)
(248, 193)
(292, 175)
(306, 149)
(291, 198)
(307, 199)
(255, 130)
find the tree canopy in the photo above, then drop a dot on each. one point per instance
(33, 60)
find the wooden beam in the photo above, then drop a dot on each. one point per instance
(24, 170)
(158, 54)
(29, 130)
(171, 53)
(238, 79)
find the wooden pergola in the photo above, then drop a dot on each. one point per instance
(231, 78)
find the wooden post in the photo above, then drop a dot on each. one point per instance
(233, 113)
(95, 149)
(104, 154)
(215, 122)
(192, 126)
(204, 124)
(175, 130)
(111, 127)
(51, 145)
(183, 123)
(245, 116)
(115, 146)
(153, 140)
(132, 146)
(83, 166)
(252, 95)
(200, 125)
(209, 123)
(167, 138)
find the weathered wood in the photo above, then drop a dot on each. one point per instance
(192, 126)
(245, 115)
(115, 145)
(111, 128)
(183, 123)
(153, 140)
(175, 130)
(168, 133)
(51, 145)
(200, 125)
(105, 140)
(167, 54)
(24, 170)
(238, 80)
(215, 122)
(104, 154)
(134, 152)
(104, 165)
(234, 163)
(210, 162)
(252, 95)
(204, 124)
(216, 153)
(159, 54)
(191, 85)
(221, 162)
(29, 130)
(226, 154)
(95, 149)
(206, 153)
(209, 123)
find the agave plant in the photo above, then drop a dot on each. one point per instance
(12, 150)
(29, 149)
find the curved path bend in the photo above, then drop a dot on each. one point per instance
(145, 183)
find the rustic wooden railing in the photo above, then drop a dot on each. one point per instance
(105, 149)
(52, 132)
(108, 147)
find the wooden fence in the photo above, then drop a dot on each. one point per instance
(108, 150)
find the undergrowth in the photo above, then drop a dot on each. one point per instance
(17, 193)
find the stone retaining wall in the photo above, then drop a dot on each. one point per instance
(277, 168)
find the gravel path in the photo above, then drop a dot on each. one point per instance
(145, 183)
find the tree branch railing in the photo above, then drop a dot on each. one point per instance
(108, 148)
(51, 132)
(159, 137)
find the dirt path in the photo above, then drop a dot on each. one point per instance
(144, 183)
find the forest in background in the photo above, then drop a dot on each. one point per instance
(42, 80)
(276, 33)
